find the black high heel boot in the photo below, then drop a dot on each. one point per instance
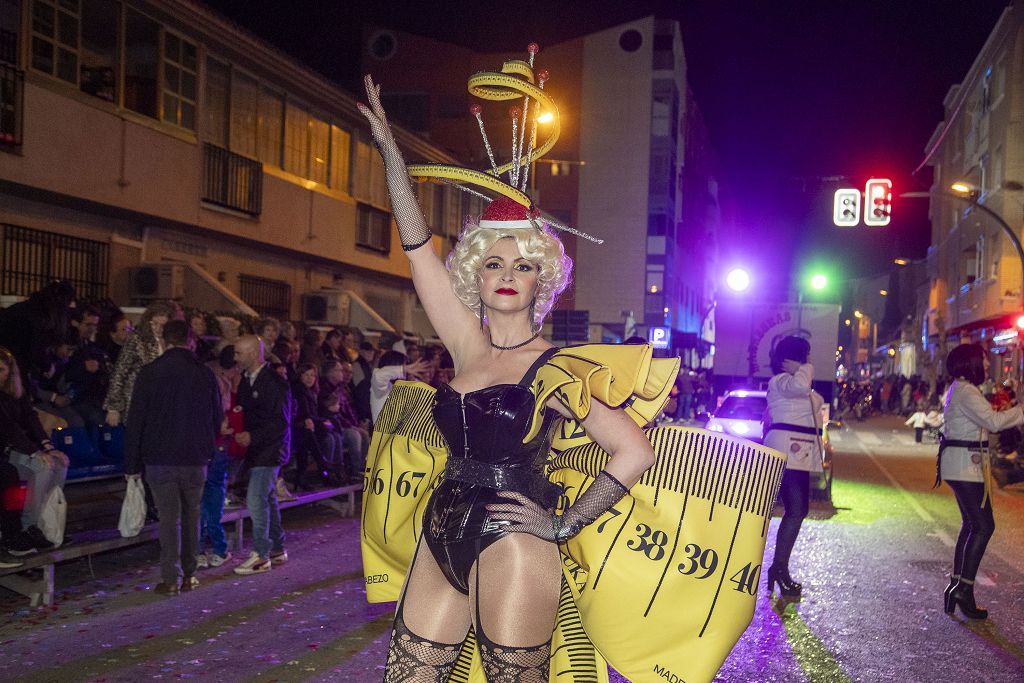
(946, 602)
(962, 595)
(787, 586)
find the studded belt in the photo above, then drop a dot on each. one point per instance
(518, 479)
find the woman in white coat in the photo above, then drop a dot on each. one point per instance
(793, 427)
(963, 463)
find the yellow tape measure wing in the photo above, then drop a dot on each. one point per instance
(406, 458)
(671, 572)
(615, 374)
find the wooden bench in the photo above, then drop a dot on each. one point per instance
(35, 578)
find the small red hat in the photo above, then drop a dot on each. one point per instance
(504, 212)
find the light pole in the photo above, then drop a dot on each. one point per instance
(818, 283)
(738, 280)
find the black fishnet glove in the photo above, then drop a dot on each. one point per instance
(524, 515)
(412, 228)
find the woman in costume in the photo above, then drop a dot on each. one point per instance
(794, 429)
(963, 463)
(488, 556)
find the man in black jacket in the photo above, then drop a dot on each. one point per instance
(266, 404)
(173, 420)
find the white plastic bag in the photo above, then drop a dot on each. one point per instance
(53, 516)
(133, 510)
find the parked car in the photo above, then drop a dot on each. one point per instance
(741, 413)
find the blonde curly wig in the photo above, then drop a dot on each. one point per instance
(540, 247)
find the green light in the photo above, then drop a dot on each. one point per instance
(819, 281)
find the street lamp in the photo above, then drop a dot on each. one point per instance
(738, 280)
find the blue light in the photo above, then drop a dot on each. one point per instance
(659, 337)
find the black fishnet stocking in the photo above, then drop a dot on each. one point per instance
(515, 664)
(413, 659)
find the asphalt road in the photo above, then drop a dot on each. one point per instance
(873, 566)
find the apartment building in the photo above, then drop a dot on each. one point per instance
(973, 268)
(151, 148)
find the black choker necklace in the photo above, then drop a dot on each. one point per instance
(514, 346)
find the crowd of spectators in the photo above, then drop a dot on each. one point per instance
(72, 366)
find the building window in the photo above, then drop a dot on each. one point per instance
(31, 259)
(374, 230)
(215, 114)
(179, 86)
(12, 91)
(271, 123)
(101, 20)
(270, 298)
(141, 64)
(340, 152)
(10, 26)
(296, 140)
(319, 150)
(245, 104)
(55, 28)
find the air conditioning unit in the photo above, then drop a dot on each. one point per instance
(326, 308)
(157, 281)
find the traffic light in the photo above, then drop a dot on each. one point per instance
(846, 207)
(877, 202)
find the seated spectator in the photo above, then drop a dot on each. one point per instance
(200, 329)
(288, 353)
(288, 332)
(112, 336)
(50, 391)
(269, 330)
(311, 349)
(314, 437)
(362, 372)
(333, 347)
(27, 448)
(86, 322)
(337, 404)
(87, 378)
(391, 367)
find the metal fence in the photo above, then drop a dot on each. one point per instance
(231, 180)
(12, 90)
(267, 297)
(31, 259)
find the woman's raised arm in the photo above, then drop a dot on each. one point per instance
(452, 321)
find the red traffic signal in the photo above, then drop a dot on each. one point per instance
(877, 202)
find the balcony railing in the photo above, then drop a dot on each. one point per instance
(12, 106)
(231, 180)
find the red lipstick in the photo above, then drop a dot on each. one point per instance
(507, 291)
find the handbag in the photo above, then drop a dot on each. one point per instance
(53, 516)
(133, 510)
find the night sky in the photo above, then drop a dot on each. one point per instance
(794, 93)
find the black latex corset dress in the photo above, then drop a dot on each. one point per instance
(484, 431)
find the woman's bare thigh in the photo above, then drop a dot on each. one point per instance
(515, 595)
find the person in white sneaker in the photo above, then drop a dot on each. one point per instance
(267, 405)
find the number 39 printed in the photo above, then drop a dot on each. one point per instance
(651, 542)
